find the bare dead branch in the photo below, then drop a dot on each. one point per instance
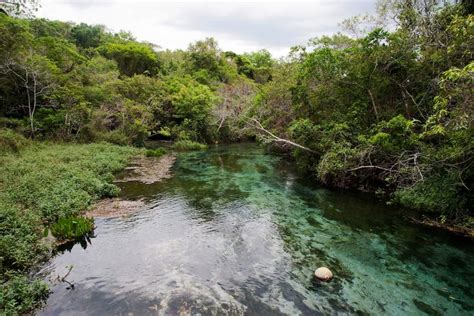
(272, 137)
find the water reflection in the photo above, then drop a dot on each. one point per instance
(236, 232)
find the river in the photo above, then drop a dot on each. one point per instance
(237, 231)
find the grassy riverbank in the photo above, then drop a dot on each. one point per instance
(39, 184)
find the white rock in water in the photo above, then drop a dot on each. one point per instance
(323, 274)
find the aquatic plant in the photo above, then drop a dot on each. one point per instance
(72, 227)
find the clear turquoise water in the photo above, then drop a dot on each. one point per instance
(237, 231)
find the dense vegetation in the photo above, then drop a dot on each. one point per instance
(390, 112)
(43, 186)
(385, 109)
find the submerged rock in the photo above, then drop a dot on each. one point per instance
(115, 207)
(323, 274)
(149, 170)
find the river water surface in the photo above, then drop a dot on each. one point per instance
(239, 232)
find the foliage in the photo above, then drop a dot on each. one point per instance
(384, 110)
(388, 111)
(185, 108)
(189, 145)
(100, 86)
(41, 184)
(24, 8)
(205, 57)
(437, 194)
(86, 36)
(158, 152)
(132, 58)
(72, 227)
(20, 295)
(11, 141)
(394, 136)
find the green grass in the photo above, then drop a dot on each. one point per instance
(39, 185)
(189, 145)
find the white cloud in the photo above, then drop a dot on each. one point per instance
(238, 26)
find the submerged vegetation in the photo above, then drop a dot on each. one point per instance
(385, 109)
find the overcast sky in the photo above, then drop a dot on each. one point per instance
(238, 26)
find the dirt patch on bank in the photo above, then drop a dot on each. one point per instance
(146, 170)
(115, 207)
(149, 170)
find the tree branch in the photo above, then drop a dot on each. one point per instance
(257, 125)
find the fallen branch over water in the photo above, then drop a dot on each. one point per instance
(63, 278)
(463, 231)
(274, 138)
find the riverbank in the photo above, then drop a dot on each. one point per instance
(465, 230)
(39, 184)
(457, 224)
(146, 170)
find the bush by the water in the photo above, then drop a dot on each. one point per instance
(72, 227)
(158, 152)
(189, 145)
(40, 185)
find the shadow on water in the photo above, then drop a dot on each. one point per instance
(237, 231)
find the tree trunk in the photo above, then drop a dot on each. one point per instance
(374, 105)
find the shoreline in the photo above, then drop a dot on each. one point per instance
(147, 170)
(447, 227)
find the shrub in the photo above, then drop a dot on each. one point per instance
(439, 194)
(115, 137)
(11, 141)
(395, 135)
(189, 145)
(155, 152)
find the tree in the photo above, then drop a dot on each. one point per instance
(61, 52)
(20, 8)
(235, 100)
(35, 73)
(57, 29)
(260, 58)
(87, 36)
(204, 55)
(255, 65)
(208, 62)
(132, 58)
(15, 37)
